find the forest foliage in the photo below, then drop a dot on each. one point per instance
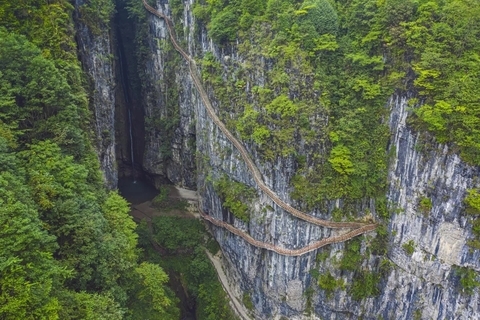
(183, 242)
(341, 60)
(313, 85)
(68, 247)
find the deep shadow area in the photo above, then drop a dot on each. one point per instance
(136, 191)
(129, 112)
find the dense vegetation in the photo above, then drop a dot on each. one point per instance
(68, 248)
(314, 69)
(182, 243)
(314, 82)
(342, 59)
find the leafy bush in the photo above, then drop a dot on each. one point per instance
(352, 258)
(235, 196)
(468, 279)
(282, 106)
(409, 247)
(223, 26)
(379, 245)
(472, 200)
(365, 285)
(328, 283)
(425, 205)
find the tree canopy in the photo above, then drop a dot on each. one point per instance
(68, 247)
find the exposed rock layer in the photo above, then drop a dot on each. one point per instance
(95, 52)
(422, 284)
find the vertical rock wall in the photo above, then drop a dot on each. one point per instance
(425, 280)
(97, 59)
(172, 159)
(419, 285)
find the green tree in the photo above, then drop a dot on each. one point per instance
(320, 15)
(223, 26)
(340, 160)
(153, 294)
(89, 306)
(28, 272)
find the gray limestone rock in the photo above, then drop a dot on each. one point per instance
(422, 283)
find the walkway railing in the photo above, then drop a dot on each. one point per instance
(257, 176)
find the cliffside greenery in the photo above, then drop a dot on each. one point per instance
(340, 60)
(68, 248)
(321, 91)
(472, 202)
(310, 89)
(235, 196)
(313, 84)
(443, 39)
(409, 247)
(468, 279)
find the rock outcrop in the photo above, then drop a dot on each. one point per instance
(422, 284)
(95, 52)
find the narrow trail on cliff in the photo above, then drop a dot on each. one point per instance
(289, 252)
(222, 277)
(361, 228)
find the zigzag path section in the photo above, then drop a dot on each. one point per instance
(360, 228)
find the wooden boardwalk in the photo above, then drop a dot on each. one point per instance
(360, 228)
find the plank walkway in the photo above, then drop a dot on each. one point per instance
(360, 228)
(289, 252)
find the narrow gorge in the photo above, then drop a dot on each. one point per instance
(301, 124)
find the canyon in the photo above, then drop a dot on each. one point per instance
(170, 137)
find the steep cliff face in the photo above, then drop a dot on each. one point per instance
(420, 284)
(420, 170)
(95, 51)
(169, 104)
